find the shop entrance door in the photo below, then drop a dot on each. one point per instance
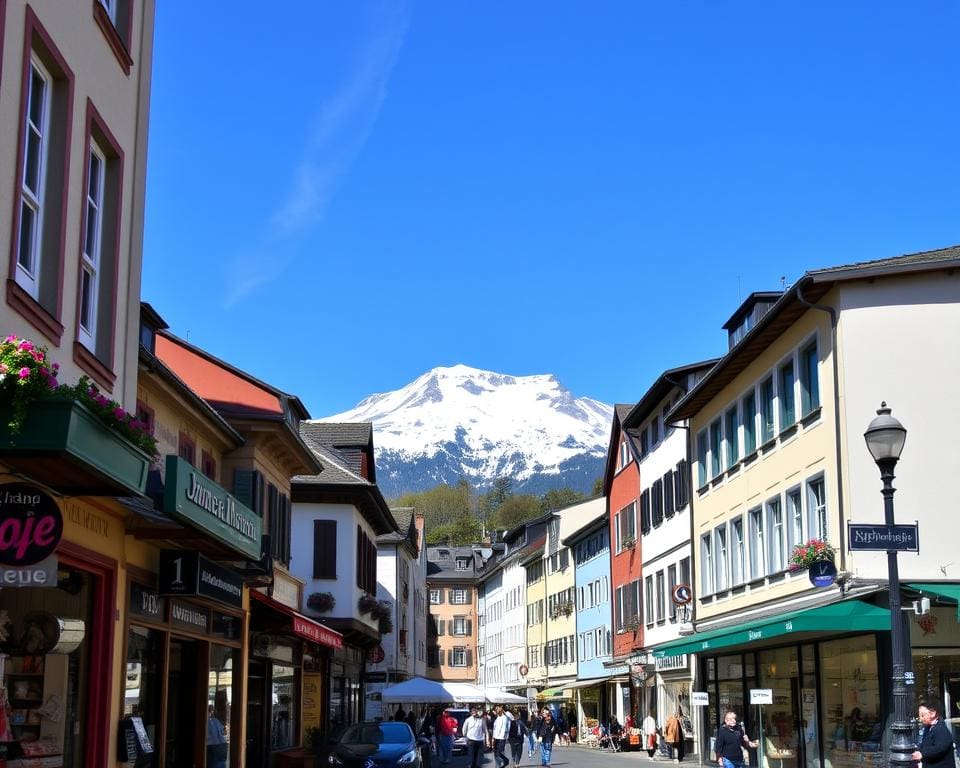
(258, 704)
(182, 734)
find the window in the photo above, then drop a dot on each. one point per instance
(648, 589)
(720, 557)
(702, 459)
(749, 405)
(758, 563)
(766, 410)
(92, 241)
(777, 536)
(644, 443)
(794, 518)
(667, 429)
(463, 564)
(325, 549)
(645, 522)
(731, 437)
(366, 566)
(669, 506)
(459, 657)
(208, 465)
(788, 398)
(654, 431)
(685, 571)
(187, 448)
(627, 525)
(661, 596)
(624, 454)
(461, 626)
(436, 597)
(459, 597)
(715, 443)
(809, 379)
(671, 585)
(817, 509)
(706, 559)
(41, 192)
(656, 500)
(738, 563)
(681, 486)
(114, 17)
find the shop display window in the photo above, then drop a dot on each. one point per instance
(45, 669)
(285, 686)
(849, 684)
(143, 686)
(223, 660)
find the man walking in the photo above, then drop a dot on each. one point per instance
(501, 730)
(446, 729)
(475, 732)
(936, 746)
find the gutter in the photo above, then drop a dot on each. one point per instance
(836, 411)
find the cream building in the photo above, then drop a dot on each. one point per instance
(779, 459)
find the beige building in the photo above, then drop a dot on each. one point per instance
(452, 623)
(779, 460)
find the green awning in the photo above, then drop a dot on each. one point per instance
(847, 616)
(554, 693)
(950, 591)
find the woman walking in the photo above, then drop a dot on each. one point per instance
(547, 733)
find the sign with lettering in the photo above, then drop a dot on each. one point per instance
(761, 695)
(192, 617)
(285, 590)
(699, 698)
(187, 573)
(317, 633)
(42, 574)
(146, 603)
(866, 537)
(194, 499)
(822, 573)
(142, 738)
(682, 594)
(30, 525)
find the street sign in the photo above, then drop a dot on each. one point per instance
(867, 537)
(699, 698)
(761, 695)
(682, 594)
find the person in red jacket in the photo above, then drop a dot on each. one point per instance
(446, 729)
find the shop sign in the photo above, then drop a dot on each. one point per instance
(193, 498)
(317, 633)
(700, 698)
(866, 537)
(188, 616)
(376, 654)
(312, 698)
(146, 603)
(761, 695)
(822, 573)
(672, 662)
(31, 525)
(286, 590)
(682, 594)
(185, 573)
(42, 574)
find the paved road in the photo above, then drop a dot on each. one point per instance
(579, 757)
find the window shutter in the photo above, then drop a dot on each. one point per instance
(441, 624)
(243, 486)
(469, 626)
(324, 549)
(449, 658)
(273, 515)
(361, 558)
(645, 511)
(657, 502)
(469, 658)
(668, 500)
(680, 480)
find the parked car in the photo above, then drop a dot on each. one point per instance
(459, 740)
(376, 745)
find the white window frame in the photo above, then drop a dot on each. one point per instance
(92, 257)
(460, 626)
(624, 453)
(706, 559)
(462, 652)
(460, 597)
(28, 275)
(803, 376)
(758, 543)
(777, 535)
(789, 360)
(738, 552)
(463, 564)
(434, 597)
(765, 436)
(721, 555)
(818, 520)
(796, 523)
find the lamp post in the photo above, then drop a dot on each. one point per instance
(885, 437)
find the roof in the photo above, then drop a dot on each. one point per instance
(793, 304)
(598, 523)
(620, 412)
(442, 563)
(757, 297)
(534, 550)
(666, 382)
(348, 441)
(406, 530)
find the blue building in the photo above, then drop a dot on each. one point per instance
(597, 690)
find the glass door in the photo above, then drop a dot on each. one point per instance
(181, 735)
(219, 704)
(781, 741)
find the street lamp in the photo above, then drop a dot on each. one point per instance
(885, 437)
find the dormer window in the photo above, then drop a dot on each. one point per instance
(624, 454)
(463, 564)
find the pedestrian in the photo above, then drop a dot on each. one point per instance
(217, 748)
(501, 731)
(730, 743)
(446, 730)
(533, 724)
(400, 716)
(936, 744)
(673, 733)
(516, 735)
(475, 731)
(650, 730)
(547, 733)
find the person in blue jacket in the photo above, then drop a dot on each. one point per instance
(936, 746)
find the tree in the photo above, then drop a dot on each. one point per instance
(441, 505)
(461, 532)
(558, 498)
(597, 487)
(516, 510)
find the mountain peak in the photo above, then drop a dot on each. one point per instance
(459, 421)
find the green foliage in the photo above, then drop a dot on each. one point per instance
(558, 498)
(460, 533)
(516, 510)
(598, 487)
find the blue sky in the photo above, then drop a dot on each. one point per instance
(342, 196)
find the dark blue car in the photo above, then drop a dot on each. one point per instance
(376, 745)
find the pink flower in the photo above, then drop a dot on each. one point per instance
(37, 355)
(119, 413)
(11, 339)
(101, 400)
(56, 366)
(25, 346)
(3, 368)
(24, 373)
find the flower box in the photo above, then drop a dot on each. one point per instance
(63, 444)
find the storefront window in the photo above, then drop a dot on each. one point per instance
(45, 667)
(142, 689)
(219, 704)
(852, 726)
(779, 671)
(283, 723)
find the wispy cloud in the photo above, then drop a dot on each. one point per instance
(343, 125)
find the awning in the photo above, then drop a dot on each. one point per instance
(554, 693)
(301, 625)
(847, 616)
(585, 683)
(949, 591)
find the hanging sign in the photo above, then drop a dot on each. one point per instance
(761, 695)
(699, 698)
(42, 574)
(883, 538)
(190, 574)
(822, 573)
(31, 526)
(682, 594)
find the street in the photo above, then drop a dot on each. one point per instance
(573, 757)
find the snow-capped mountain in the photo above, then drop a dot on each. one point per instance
(463, 422)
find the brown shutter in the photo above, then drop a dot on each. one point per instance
(324, 549)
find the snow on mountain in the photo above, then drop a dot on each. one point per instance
(464, 422)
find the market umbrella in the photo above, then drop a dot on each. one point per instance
(419, 690)
(502, 697)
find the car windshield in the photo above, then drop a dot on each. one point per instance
(377, 733)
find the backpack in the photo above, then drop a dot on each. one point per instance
(513, 732)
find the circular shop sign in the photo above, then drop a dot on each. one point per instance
(682, 594)
(30, 525)
(822, 573)
(375, 655)
(523, 670)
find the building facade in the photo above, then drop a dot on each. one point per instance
(452, 625)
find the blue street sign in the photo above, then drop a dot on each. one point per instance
(884, 538)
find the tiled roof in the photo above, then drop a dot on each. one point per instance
(340, 434)
(623, 410)
(893, 263)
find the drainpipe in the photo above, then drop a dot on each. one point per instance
(836, 411)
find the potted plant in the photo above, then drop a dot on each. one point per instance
(566, 609)
(367, 604)
(385, 624)
(628, 542)
(321, 602)
(632, 624)
(814, 551)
